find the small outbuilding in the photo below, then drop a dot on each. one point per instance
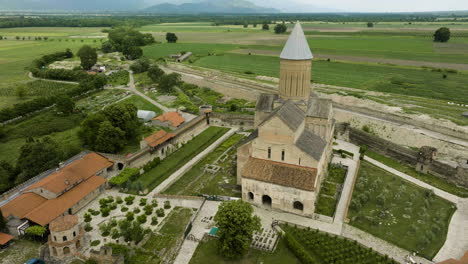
(145, 115)
(184, 57)
(169, 119)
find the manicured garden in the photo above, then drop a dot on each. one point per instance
(197, 181)
(149, 180)
(142, 104)
(330, 191)
(427, 178)
(314, 246)
(119, 78)
(391, 208)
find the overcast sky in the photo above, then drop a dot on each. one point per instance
(389, 5)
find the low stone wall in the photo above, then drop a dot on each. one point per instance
(232, 120)
(457, 175)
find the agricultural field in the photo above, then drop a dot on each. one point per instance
(390, 208)
(152, 178)
(331, 190)
(197, 181)
(141, 104)
(324, 248)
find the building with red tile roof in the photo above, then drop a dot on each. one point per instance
(169, 119)
(157, 139)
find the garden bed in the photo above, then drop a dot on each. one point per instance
(330, 190)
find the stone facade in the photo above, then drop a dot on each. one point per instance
(67, 240)
(295, 79)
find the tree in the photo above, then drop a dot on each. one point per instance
(88, 57)
(155, 73)
(168, 81)
(280, 28)
(107, 47)
(2, 221)
(442, 35)
(36, 230)
(37, 156)
(109, 139)
(89, 128)
(266, 27)
(124, 116)
(65, 104)
(171, 37)
(133, 53)
(246, 25)
(7, 176)
(236, 227)
(370, 24)
(141, 65)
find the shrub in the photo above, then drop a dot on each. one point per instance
(167, 205)
(129, 200)
(137, 210)
(148, 209)
(87, 217)
(119, 200)
(88, 227)
(152, 164)
(124, 209)
(93, 212)
(105, 211)
(141, 218)
(154, 203)
(154, 221)
(160, 212)
(124, 176)
(143, 201)
(130, 216)
(297, 249)
(95, 243)
(113, 206)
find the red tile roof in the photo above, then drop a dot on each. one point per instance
(63, 223)
(174, 118)
(280, 173)
(22, 205)
(158, 138)
(5, 238)
(73, 173)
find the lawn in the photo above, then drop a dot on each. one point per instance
(207, 252)
(196, 181)
(326, 248)
(142, 104)
(391, 208)
(174, 161)
(427, 178)
(330, 191)
(19, 252)
(172, 230)
(119, 78)
(198, 49)
(373, 77)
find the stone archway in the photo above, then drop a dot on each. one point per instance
(266, 200)
(66, 250)
(54, 251)
(251, 196)
(120, 166)
(78, 244)
(298, 205)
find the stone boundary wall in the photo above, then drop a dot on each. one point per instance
(456, 175)
(233, 120)
(323, 218)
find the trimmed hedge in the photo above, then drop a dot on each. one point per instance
(124, 176)
(298, 250)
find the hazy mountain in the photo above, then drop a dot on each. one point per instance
(210, 6)
(72, 5)
(294, 6)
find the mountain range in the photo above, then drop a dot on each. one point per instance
(164, 6)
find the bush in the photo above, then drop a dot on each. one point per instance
(95, 243)
(119, 200)
(141, 218)
(129, 200)
(137, 210)
(87, 217)
(298, 250)
(115, 233)
(124, 176)
(93, 212)
(152, 164)
(167, 205)
(105, 211)
(143, 201)
(124, 209)
(113, 206)
(130, 216)
(160, 212)
(148, 209)
(88, 227)
(154, 221)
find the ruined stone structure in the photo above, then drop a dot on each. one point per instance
(282, 163)
(105, 256)
(66, 237)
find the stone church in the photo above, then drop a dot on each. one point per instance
(283, 161)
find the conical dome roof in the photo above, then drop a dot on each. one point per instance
(296, 47)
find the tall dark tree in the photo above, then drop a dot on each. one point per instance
(169, 81)
(88, 57)
(171, 37)
(124, 116)
(107, 47)
(266, 27)
(109, 139)
(281, 28)
(90, 127)
(236, 224)
(442, 35)
(155, 73)
(141, 65)
(133, 53)
(370, 24)
(65, 104)
(37, 156)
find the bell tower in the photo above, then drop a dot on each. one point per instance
(295, 67)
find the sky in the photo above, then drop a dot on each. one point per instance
(388, 5)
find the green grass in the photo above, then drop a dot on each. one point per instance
(172, 230)
(174, 161)
(198, 49)
(327, 248)
(391, 208)
(207, 252)
(427, 178)
(196, 181)
(373, 77)
(119, 78)
(20, 251)
(142, 104)
(330, 191)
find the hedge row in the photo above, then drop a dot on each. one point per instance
(59, 74)
(126, 175)
(298, 250)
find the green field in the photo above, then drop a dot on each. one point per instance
(177, 159)
(207, 252)
(427, 178)
(391, 208)
(196, 181)
(142, 104)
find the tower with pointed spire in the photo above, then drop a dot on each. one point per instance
(295, 67)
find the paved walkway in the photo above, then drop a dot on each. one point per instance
(199, 229)
(456, 243)
(180, 172)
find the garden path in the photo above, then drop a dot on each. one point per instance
(456, 243)
(180, 172)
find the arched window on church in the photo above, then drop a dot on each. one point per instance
(298, 205)
(269, 152)
(282, 155)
